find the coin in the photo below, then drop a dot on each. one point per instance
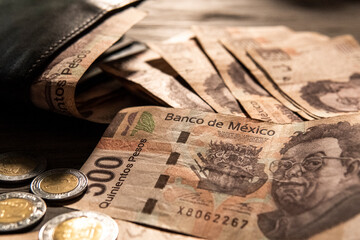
(80, 225)
(20, 166)
(59, 184)
(19, 210)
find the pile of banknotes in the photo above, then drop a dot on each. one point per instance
(254, 135)
(272, 74)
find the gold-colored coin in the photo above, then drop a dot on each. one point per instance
(16, 166)
(19, 210)
(14, 210)
(59, 183)
(80, 225)
(20, 166)
(78, 229)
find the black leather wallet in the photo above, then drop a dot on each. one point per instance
(33, 32)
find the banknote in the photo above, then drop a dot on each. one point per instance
(330, 84)
(227, 177)
(100, 95)
(142, 78)
(244, 38)
(101, 101)
(55, 89)
(123, 48)
(124, 42)
(191, 63)
(254, 99)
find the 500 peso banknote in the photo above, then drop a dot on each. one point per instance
(227, 177)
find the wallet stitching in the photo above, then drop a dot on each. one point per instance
(72, 32)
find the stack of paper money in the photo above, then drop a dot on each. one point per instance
(271, 74)
(274, 73)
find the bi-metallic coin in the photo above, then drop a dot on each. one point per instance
(78, 226)
(20, 166)
(19, 210)
(59, 184)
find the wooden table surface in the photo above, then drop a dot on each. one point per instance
(67, 142)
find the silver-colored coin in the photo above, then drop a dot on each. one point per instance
(19, 210)
(59, 184)
(80, 225)
(20, 166)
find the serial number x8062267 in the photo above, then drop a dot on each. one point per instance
(213, 217)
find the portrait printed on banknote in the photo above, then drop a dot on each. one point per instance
(316, 183)
(231, 169)
(334, 96)
(219, 92)
(244, 81)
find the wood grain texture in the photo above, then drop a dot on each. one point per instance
(168, 17)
